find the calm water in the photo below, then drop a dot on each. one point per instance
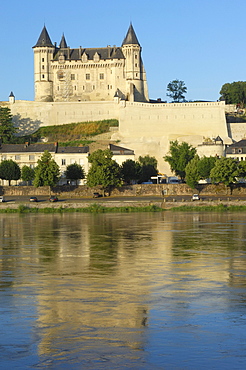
(123, 291)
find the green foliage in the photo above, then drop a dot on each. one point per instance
(75, 132)
(7, 128)
(47, 172)
(192, 174)
(27, 173)
(234, 93)
(9, 170)
(148, 167)
(104, 171)
(225, 170)
(205, 166)
(176, 90)
(75, 172)
(179, 156)
(131, 171)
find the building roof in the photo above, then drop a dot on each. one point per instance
(44, 39)
(63, 43)
(237, 148)
(40, 148)
(72, 149)
(119, 150)
(104, 53)
(131, 38)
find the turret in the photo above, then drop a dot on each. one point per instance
(134, 69)
(43, 77)
(11, 98)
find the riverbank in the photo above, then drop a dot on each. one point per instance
(122, 206)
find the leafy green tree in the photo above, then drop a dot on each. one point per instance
(176, 90)
(234, 93)
(130, 170)
(205, 165)
(104, 171)
(7, 128)
(192, 174)
(75, 172)
(179, 156)
(9, 170)
(47, 172)
(225, 170)
(148, 167)
(27, 173)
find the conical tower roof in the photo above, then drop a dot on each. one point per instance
(131, 38)
(63, 43)
(44, 39)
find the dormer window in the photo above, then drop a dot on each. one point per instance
(84, 58)
(240, 150)
(96, 57)
(61, 59)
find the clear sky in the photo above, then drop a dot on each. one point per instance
(201, 42)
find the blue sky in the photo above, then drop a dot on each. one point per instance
(201, 42)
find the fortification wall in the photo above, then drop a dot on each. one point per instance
(29, 115)
(237, 130)
(149, 128)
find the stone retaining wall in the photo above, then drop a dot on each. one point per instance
(127, 190)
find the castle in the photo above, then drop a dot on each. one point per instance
(86, 84)
(89, 74)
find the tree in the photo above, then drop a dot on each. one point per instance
(47, 172)
(179, 156)
(75, 172)
(225, 170)
(148, 167)
(192, 176)
(9, 170)
(104, 171)
(234, 93)
(27, 173)
(130, 170)
(205, 165)
(7, 128)
(176, 90)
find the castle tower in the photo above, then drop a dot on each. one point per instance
(43, 79)
(137, 89)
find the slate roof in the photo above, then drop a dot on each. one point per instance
(104, 53)
(233, 149)
(63, 43)
(40, 148)
(116, 150)
(25, 148)
(44, 39)
(72, 149)
(131, 38)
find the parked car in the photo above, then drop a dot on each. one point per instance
(97, 195)
(53, 198)
(33, 199)
(195, 197)
(2, 199)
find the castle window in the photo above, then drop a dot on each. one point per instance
(42, 60)
(136, 57)
(72, 76)
(31, 157)
(101, 76)
(75, 88)
(87, 76)
(42, 76)
(63, 162)
(42, 67)
(17, 157)
(136, 64)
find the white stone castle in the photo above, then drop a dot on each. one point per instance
(86, 84)
(89, 74)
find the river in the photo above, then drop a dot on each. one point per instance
(123, 291)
